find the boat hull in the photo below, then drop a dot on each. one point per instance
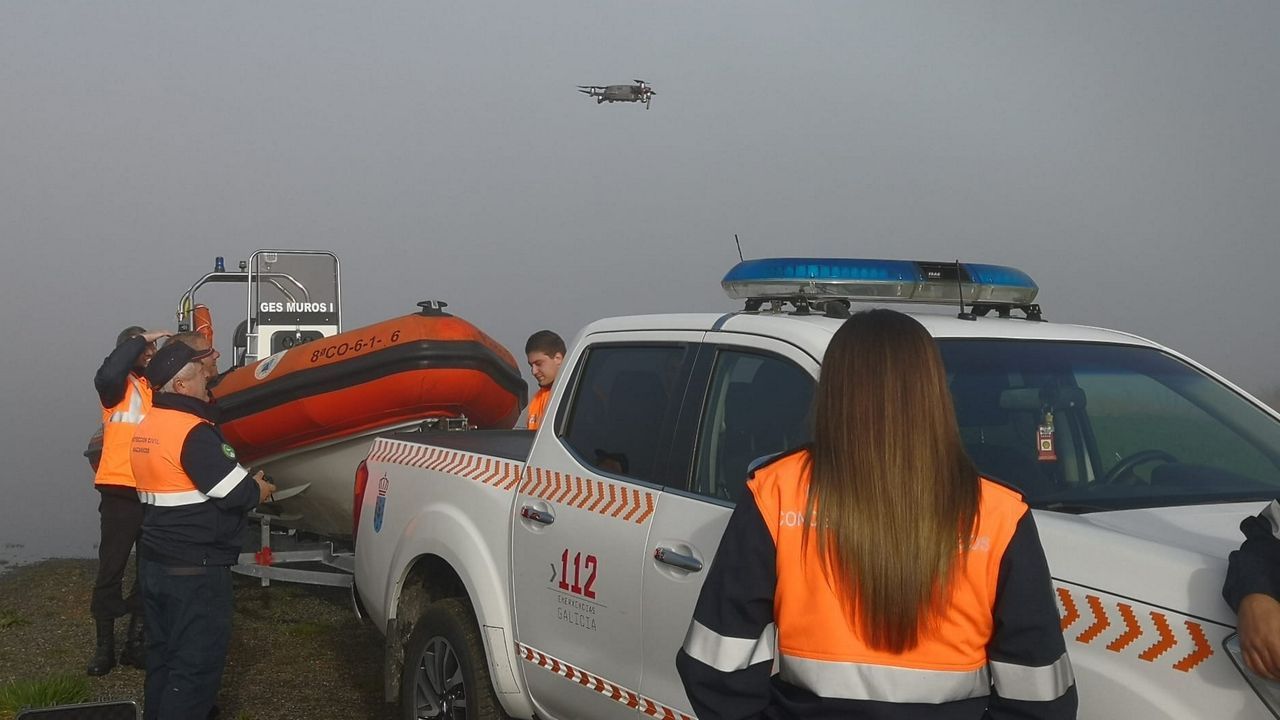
(405, 369)
(307, 415)
(324, 508)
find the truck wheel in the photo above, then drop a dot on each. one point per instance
(446, 674)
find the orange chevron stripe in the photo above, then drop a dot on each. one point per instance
(394, 454)
(1132, 632)
(513, 473)
(1069, 605)
(1100, 620)
(468, 465)
(458, 461)
(443, 461)
(648, 509)
(483, 469)
(1202, 652)
(411, 457)
(622, 501)
(439, 459)
(568, 485)
(635, 497)
(613, 691)
(475, 468)
(577, 491)
(599, 495)
(1166, 641)
(446, 461)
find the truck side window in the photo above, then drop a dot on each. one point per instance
(625, 398)
(757, 405)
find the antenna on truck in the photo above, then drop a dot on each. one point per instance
(739, 244)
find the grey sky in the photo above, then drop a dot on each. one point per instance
(1125, 155)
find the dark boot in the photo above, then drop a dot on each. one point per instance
(104, 655)
(135, 645)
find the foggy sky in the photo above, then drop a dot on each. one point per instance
(1124, 154)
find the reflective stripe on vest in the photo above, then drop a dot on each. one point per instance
(820, 647)
(157, 461)
(1021, 682)
(859, 681)
(883, 683)
(135, 410)
(118, 426)
(728, 654)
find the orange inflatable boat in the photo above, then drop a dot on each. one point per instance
(407, 369)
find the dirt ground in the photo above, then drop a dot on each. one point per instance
(296, 652)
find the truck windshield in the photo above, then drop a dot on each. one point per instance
(1082, 427)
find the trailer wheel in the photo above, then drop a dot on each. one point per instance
(446, 675)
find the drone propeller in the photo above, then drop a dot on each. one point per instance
(640, 82)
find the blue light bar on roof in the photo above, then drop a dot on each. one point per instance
(878, 280)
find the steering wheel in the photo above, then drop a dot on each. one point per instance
(1133, 460)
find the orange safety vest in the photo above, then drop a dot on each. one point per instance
(538, 407)
(157, 459)
(819, 646)
(118, 425)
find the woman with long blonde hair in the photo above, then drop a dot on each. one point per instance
(875, 570)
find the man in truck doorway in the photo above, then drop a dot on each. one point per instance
(545, 352)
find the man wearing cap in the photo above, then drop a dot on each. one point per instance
(201, 344)
(197, 496)
(125, 396)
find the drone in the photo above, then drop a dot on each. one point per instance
(640, 92)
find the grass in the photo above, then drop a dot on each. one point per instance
(9, 618)
(45, 692)
(307, 629)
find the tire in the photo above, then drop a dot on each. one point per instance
(446, 674)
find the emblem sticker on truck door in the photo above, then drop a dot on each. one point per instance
(380, 505)
(574, 579)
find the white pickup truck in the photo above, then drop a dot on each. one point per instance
(553, 574)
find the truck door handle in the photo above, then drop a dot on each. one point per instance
(529, 512)
(670, 557)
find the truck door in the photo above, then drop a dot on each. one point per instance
(581, 522)
(755, 403)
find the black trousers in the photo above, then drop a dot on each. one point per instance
(120, 513)
(188, 632)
